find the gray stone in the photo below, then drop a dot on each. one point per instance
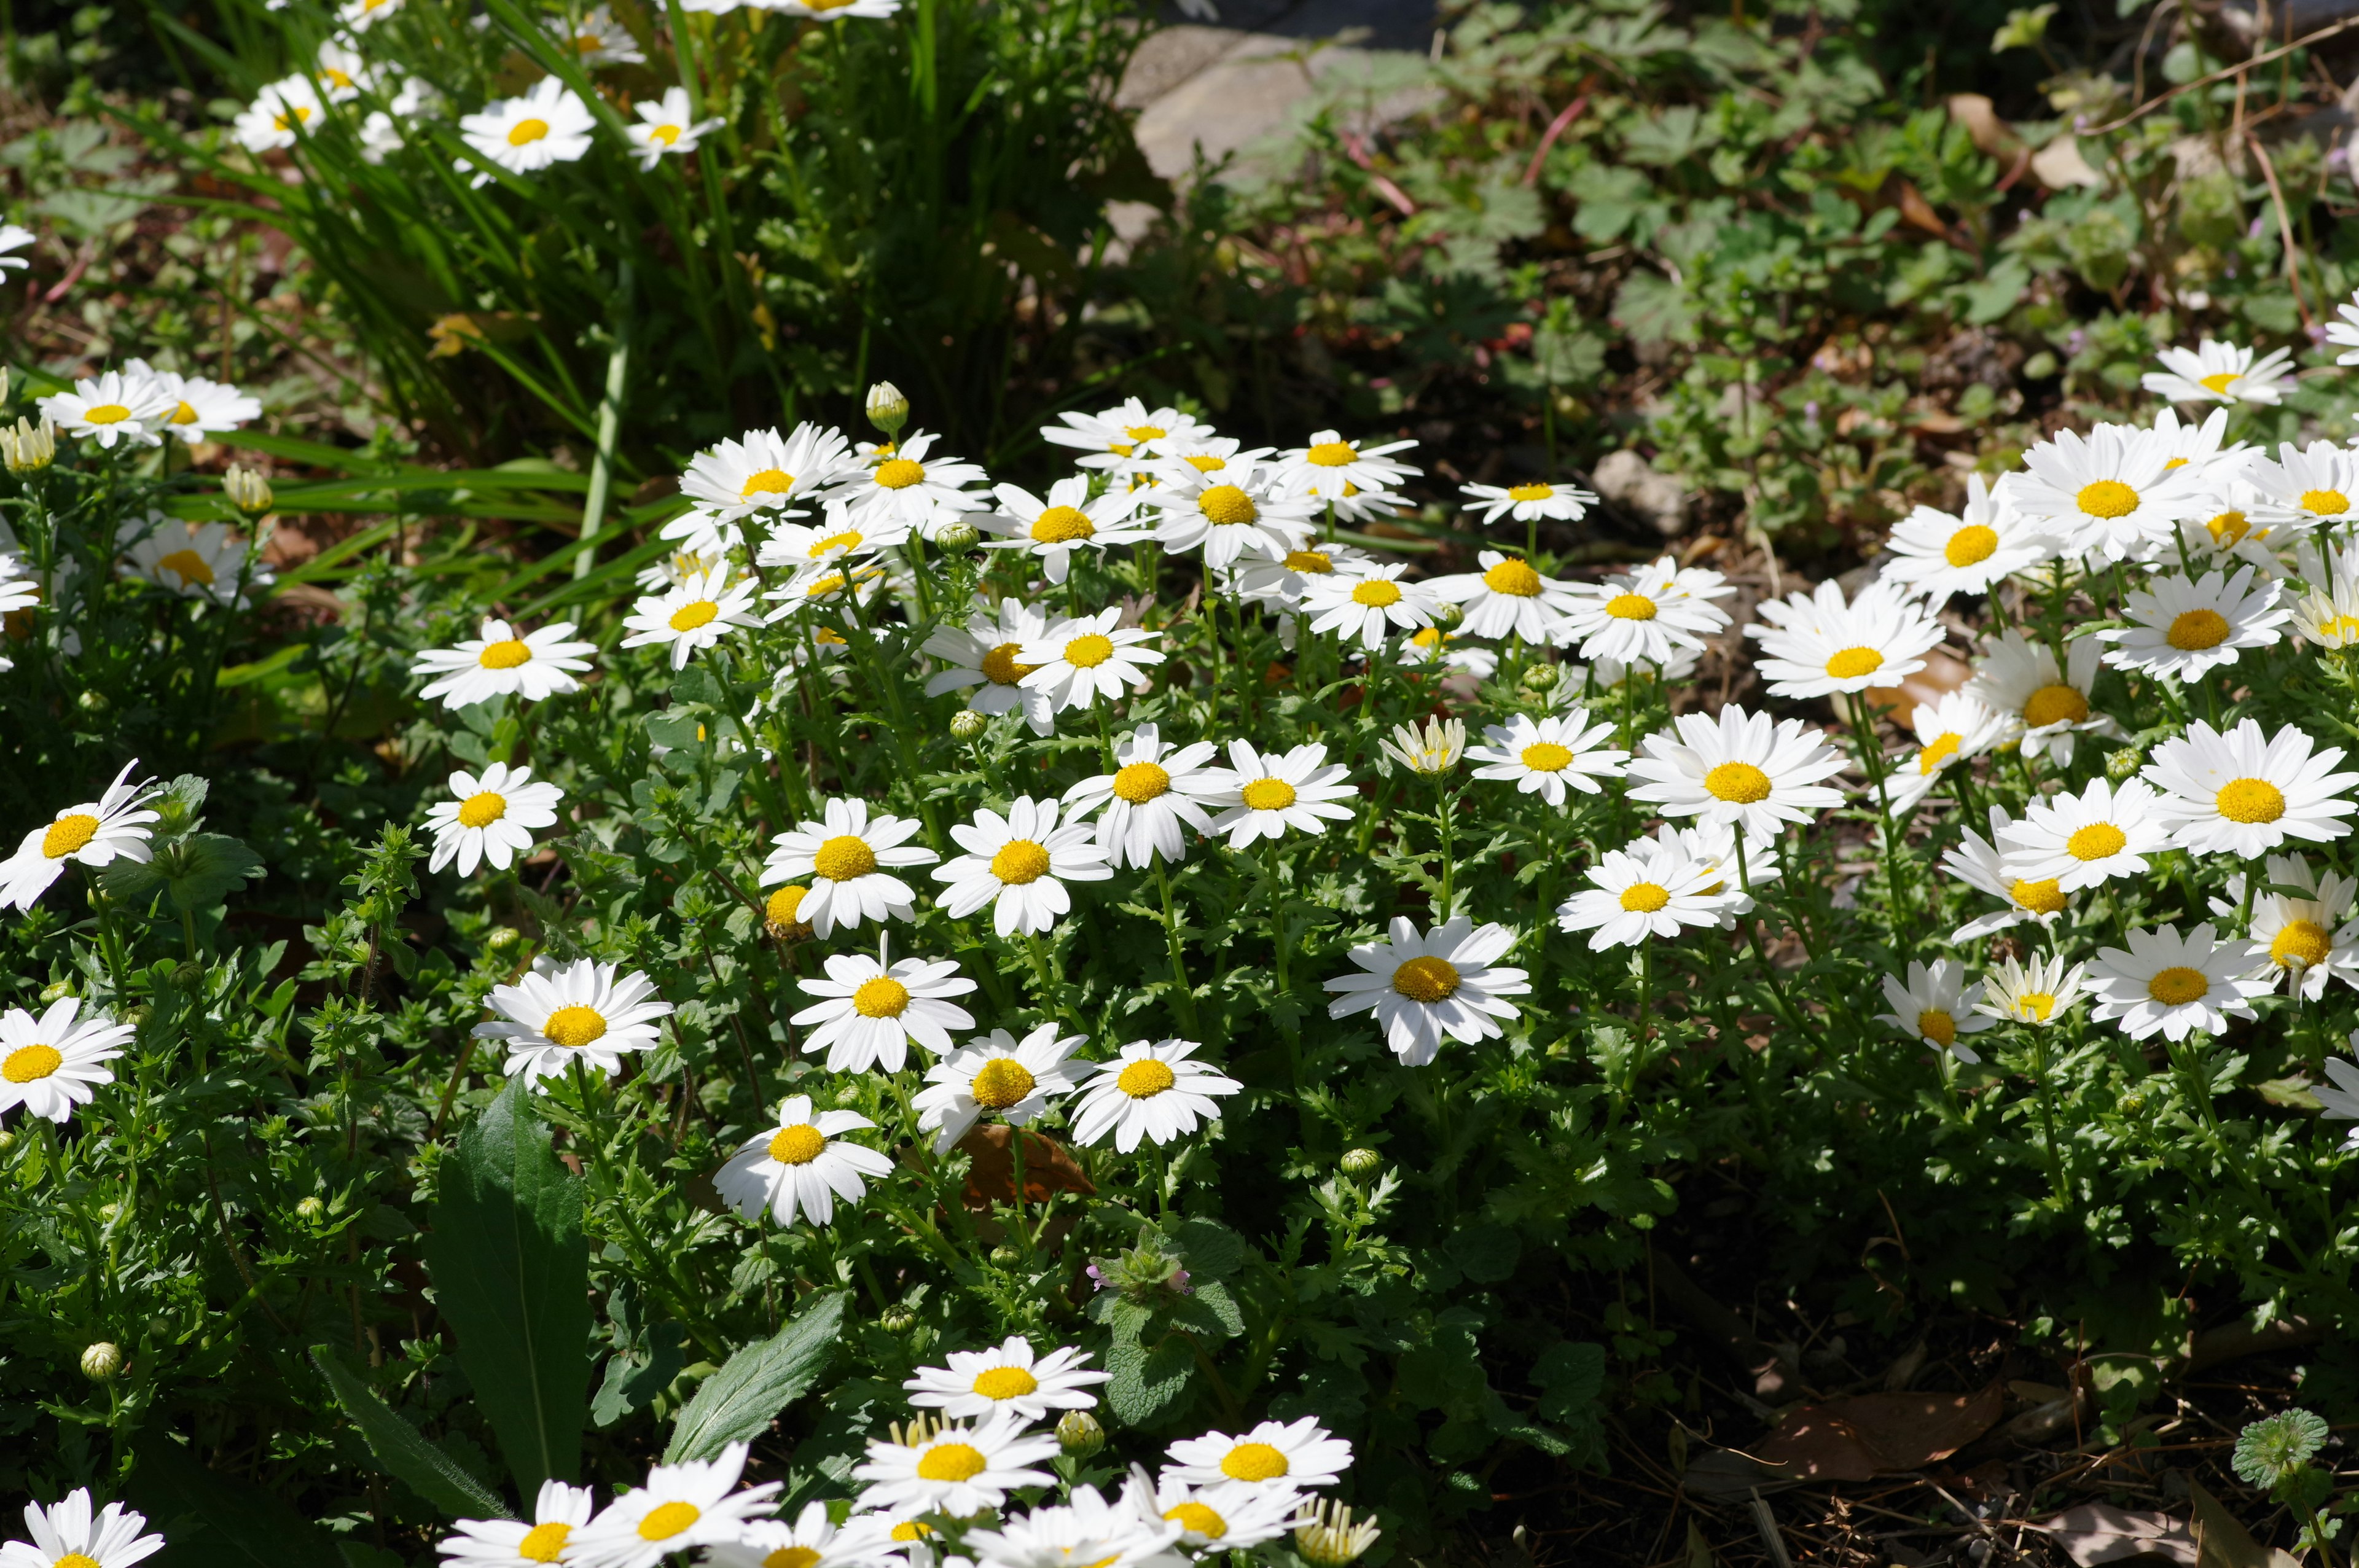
(1628, 481)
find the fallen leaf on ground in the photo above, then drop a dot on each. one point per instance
(1852, 1439)
(2221, 1542)
(1047, 1168)
(2098, 1532)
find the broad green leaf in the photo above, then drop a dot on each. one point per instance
(756, 1383)
(511, 1272)
(1148, 1385)
(214, 1520)
(406, 1455)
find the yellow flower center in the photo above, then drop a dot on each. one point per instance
(1937, 1025)
(883, 997)
(911, 1529)
(2197, 629)
(667, 1519)
(1645, 898)
(1513, 577)
(664, 135)
(188, 566)
(1530, 492)
(1377, 592)
(544, 1542)
(1268, 795)
(833, 583)
(951, 1462)
(850, 540)
(2107, 498)
(1853, 662)
(1061, 524)
(1198, 1520)
(2228, 528)
(1204, 463)
(1226, 505)
(691, 616)
(2325, 503)
(1141, 782)
(844, 857)
(2250, 800)
(1741, 783)
(1331, 454)
(1630, 607)
(1145, 1078)
(1145, 432)
(2178, 986)
(797, 1145)
(1938, 750)
(1428, 981)
(1253, 1462)
(1001, 1082)
(182, 415)
(1005, 1383)
(1088, 651)
(2302, 942)
(1309, 563)
(2056, 704)
(1020, 862)
(793, 1557)
(2096, 841)
(2043, 897)
(780, 908)
(2219, 381)
(575, 1026)
(26, 1064)
(766, 481)
(105, 413)
(519, 134)
(899, 473)
(482, 808)
(1970, 545)
(1547, 757)
(68, 834)
(2034, 1007)
(1000, 667)
(506, 654)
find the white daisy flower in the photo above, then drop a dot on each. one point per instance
(1817, 645)
(1454, 650)
(2200, 446)
(1528, 503)
(1226, 1516)
(2078, 840)
(1656, 614)
(2220, 372)
(1506, 598)
(996, 1073)
(2340, 1100)
(2329, 617)
(1367, 605)
(15, 237)
(667, 125)
(109, 407)
(841, 538)
(1078, 661)
(693, 616)
(1935, 1005)
(196, 560)
(1331, 467)
(1067, 521)
(1737, 767)
(957, 1470)
(2186, 629)
(763, 471)
(2170, 984)
(598, 39)
(2244, 793)
(341, 74)
(1545, 755)
(1019, 863)
(1011, 1378)
(1244, 515)
(2304, 488)
(1118, 437)
(2112, 492)
(1086, 1530)
(2301, 925)
(558, 1512)
(846, 856)
(1938, 556)
(824, 588)
(51, 1064)
(200, 409)
(582, 1011)
(2038, 994)
(1430, 750)
(810, 1541)
(1979, 862)
(1151, 1090)
(66, 1535)
(1953, 729)
(2021, 680)
(1155, 791)
(93, 833)
(800, 1166)
(983, 654)
(1446, 982)
(2344, 333)
(1295, 1455)
(1648, 888)
(868, 1014)
(549, 124)
(1274, 792)
(360, 16)
(281, 114)
(490, 819)
(695, 1503)
(913, 488)
(1183, 463)
(499, 663)
(1281, 584)
(1713, 846)
(831, 10)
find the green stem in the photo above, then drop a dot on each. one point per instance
(1183, 993)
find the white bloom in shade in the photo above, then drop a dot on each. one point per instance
(557, 1514)
(763, 471)
(110, 408)
(15, 237)
(1936, 1006)
(867, 1014)
(1183, 464)
(1155, 791)
(582, 1011)
(281, 114)
(1737, 767)
(94, 833)
(501, 663)
(360, 16)
(1078, 661)
(812, 1541)
(2040, 993)
(1244, 514)
(1528, 503)
(1331, 467)
(800, 1166)
(1452, 648)
(666, 125)
(984, 654)
(1088, 1530)
(829, 10)
(1282, 584)
(1939, 556)
(1430, 750)
(1119, 439)
(2301, 924)
(2172, 984)
(997, 1073)
(1019, 863)
(1656, 614)
(2021, 679)
(1052, 530)
(598, 39)
(1295, 1455)
(838, 537)
(2078, 840)
(846, 854)
(65, 1532)
(959, 1470)
(1011, 1378)
(1446, 982)
(1367, 605)
(1544, 756)
(490, 819)
(2112, 492)
(2185, 629)
(2220, 372)
(2244, 793)
(1151, 1090)
(1273, 791)
(51, 1064)
(1979, 861)
(549, 124)
(2341, 1102)
(2344, 333)
(920, 492)
(2329, 617)
(1817, 645)
(196, 560)
(2304, 488)
(1648, 888)
(199, 408)
(695, 1503)
(1225, 1516)
(1951, 730)
(692, 616)
(1714, 846)
(1506, 598)
(2221, 534)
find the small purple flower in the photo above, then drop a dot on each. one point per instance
(2335, 154)
(1097, 1280)
(1178, 1281)
(1810, 412)
(2075, 340)
(2255, 231)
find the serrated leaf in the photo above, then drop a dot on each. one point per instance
(401, 1449)
(1212, 1250)
(755, 1384)
(1147, 1383)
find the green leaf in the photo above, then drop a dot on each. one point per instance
(511, 1272)
(399, 1447)
(215, 1521)
(198, 871)
(1147, 1384)
(1484, 1253)
(756, 1383)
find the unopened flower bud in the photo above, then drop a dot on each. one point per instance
(56, 990)
(2124, 763)
(102, 1361)
(7, 1141)
(247, 491)
(780, 914)
(896, 1320)
(108, 1211)
(309, 1210)
(956, 537)
(1540, 678)
(1005, 1256)
(1361, 1162)
(93, 701)
(966, 724)
(503, 938)
(28, 447)
(887, 409)
(1446, 615)
(1080, 1434)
